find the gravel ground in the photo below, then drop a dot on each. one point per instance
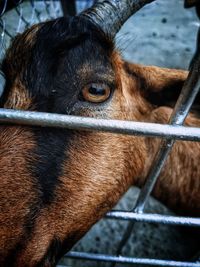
(161, 34)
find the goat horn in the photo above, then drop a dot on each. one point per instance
(110, 15)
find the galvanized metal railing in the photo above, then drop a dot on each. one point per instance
(171, 132)
(114, 126)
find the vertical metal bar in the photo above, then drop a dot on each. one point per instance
(68, 7)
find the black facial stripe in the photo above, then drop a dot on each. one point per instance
(10, 260)
(15, 252)
(50, 155)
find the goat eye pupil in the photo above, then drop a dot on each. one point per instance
(94, 90)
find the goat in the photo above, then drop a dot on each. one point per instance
(56, 183)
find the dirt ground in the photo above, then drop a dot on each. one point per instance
(163, 34)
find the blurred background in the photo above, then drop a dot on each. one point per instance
(163, 34)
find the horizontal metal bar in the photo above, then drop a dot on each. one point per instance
(125, 260)
(85, 123)
(153, 218)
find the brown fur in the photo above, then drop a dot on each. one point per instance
(18, 142)
(18, 58)
(99, 168)
(18, 97)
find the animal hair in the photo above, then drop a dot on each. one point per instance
(56, 183)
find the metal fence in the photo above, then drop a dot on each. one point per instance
(170, 133)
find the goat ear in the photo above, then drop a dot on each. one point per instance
(160, 86)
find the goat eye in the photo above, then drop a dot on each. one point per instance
(96, 93)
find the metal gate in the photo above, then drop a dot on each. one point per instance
(170, 132)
